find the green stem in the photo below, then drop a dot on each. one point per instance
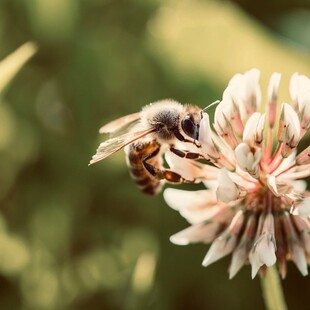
(272, 290)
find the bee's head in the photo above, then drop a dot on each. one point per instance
(190, 124)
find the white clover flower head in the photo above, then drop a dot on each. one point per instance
(257, 207)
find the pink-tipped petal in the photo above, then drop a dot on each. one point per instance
(272, 97)
(289, 130)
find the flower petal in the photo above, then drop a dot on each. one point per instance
(289, 130)
(303, 209)
(183, 166)
(299, 258)
(272, 97)
(263, 252)
(241, 252)
(209, 150)
(248, 159)
(227, 190)
(300, 93)
(225, 243)
(303, 158)
(204, 232)
(254, 129)
(196, 207)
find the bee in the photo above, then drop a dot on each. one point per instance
(150, 133)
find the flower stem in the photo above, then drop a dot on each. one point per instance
(272, 290)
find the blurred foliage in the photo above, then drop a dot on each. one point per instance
(79, 237)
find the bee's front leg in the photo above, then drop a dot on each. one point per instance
(186, 154)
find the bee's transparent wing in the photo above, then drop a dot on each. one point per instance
(120, 123)
(113, 145)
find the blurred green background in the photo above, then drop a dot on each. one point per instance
(79, 237)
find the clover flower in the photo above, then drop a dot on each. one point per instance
(256, 207)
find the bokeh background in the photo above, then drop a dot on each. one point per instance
(79, 237)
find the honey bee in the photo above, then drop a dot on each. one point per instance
(150, 133)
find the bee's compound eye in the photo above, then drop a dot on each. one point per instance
(188, 126)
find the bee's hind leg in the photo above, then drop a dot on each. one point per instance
(163, 174)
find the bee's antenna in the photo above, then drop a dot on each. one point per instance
(211, 105)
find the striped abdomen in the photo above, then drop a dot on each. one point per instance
(136, 153)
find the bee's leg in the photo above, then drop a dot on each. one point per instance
(180, 137)
(186, 154)
(163, 174)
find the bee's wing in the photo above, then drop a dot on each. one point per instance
(113, 145)
(119, 123)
